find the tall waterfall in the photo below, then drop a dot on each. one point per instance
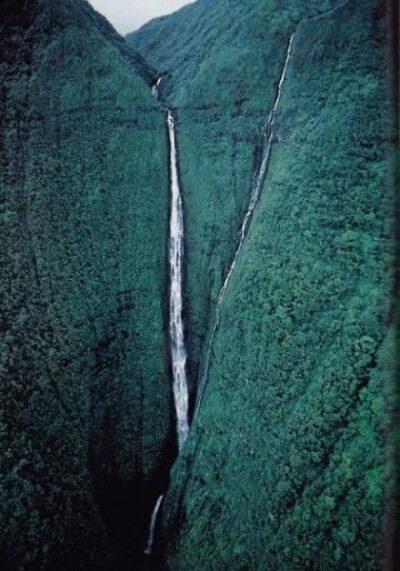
(255, 194)
(178, 349)
(176, 331)
(153, 521)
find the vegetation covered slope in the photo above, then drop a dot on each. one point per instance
(221, 62)
(285, 466)
(84, 392)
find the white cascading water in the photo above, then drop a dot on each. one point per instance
(153, 520)
(178, 348)
(155, 87)
(255, 194)
(176, 331)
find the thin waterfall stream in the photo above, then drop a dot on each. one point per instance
(255, 194)
(153, 520)
(176, 327)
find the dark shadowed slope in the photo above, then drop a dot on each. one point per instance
(84, 392)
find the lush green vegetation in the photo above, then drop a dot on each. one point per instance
(84, 392)
(286, 464)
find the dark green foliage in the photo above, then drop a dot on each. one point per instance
(84, 392)
(285, 467)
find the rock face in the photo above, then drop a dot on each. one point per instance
(285, 464)
(84, 393)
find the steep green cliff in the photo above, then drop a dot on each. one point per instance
(84, 392)
(286, 463)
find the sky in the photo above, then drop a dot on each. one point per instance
(128, 15)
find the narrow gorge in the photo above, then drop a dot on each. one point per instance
(198, 282)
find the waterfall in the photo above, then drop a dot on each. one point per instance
(255, 194)
(176, 330)
(156, 88)
(153, 520)
(178, 349)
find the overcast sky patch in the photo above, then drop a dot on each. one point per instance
(128, 15)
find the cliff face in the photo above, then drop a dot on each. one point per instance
(84, 389)
(285, 464)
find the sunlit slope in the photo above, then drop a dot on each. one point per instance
(84, 392)
(285, 466)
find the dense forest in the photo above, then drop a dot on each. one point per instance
(290, 463)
